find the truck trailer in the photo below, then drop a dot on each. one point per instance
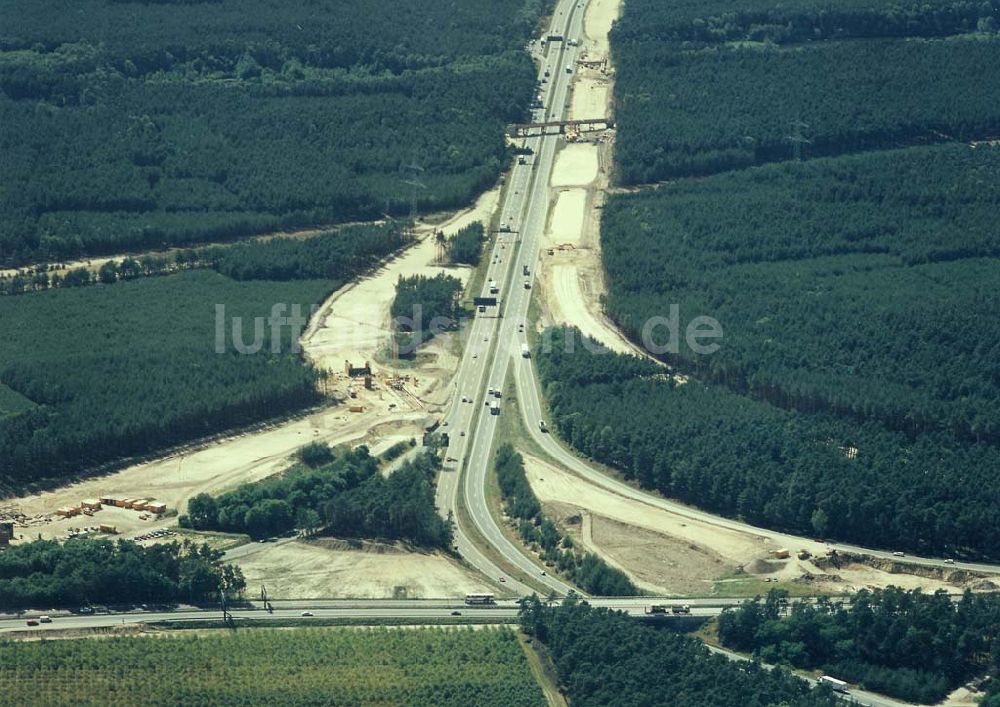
(835, 684)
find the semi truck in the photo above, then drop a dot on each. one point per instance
(835, 684)
(525, 351)
(680, 609)
(495, 408)
(656, 609)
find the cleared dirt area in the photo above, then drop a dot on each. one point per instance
(601, 14)
(670, 554)
(571, 280)
(216, 467)
(569, 294)
(554, 485)
(590, 99)
(351, 325)
(656, 562)
(566, 224)
(354, 325)
(331, 569)
(576, 165)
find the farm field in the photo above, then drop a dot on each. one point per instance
(423, 666)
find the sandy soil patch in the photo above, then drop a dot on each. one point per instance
(568, 300)
(217, 467)
(655, 562)
(353, 325)
(962, 697)
(554, 485)
(576, 166)
(327, 569)
(590, 98)
(601, 14)
(566, 222)
(662, 550)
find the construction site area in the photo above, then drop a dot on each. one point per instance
(668, 554)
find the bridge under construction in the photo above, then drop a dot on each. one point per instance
(560, 127)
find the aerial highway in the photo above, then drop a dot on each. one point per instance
(503, 611)
(493, 346)
(492, 336)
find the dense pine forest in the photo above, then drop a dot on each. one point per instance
(135, 364)
(717, 21)
(603, 657)
(338, 256)
(339, 492)
(588, 570)
(138, 125)
(125, 369)
(702, 89)
(46, 574)
(466, 246)
(917, 647)
(805, 473)
(864, 286)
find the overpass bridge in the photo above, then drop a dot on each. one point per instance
(560, 127)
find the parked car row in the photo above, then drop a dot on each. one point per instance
(161, 533)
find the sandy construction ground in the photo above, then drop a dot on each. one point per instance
(566, 223)
(554, 485)
(601, 14)
(568, 295)
(571, 281)
(670, 554)
(576, 166)
(217, 467)
(590, 99)
(330, 569)
(351, 325)
(354, 325)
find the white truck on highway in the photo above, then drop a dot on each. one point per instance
(835, 684)
(495, 408)
(525, 351)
